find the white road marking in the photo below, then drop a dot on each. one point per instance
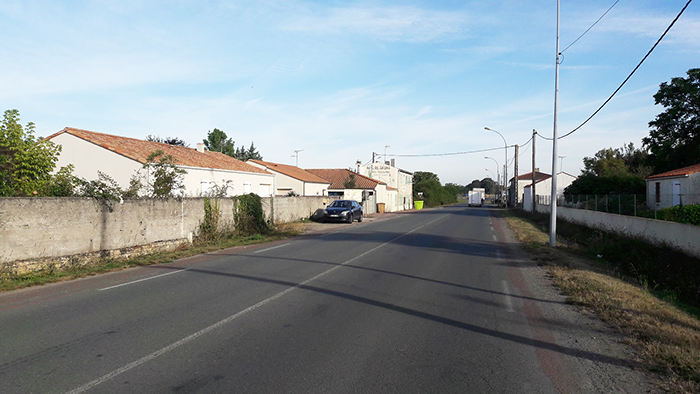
(141, 280)
(229, 319)
(507, 297)
(494, 237)
(274, 247)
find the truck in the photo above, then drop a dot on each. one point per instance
(476, 197)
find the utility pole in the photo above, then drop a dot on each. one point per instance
(555, 137)
(532, 188)
(516, 193)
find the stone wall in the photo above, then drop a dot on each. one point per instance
(45, 230)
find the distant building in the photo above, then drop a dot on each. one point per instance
(290, 179)
(367, 191)
(543, 188)
(399, 184)
(121, 157)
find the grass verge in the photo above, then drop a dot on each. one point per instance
(223, 241)
(665, 332)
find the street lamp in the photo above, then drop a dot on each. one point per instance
(498, 174)
(505, 170)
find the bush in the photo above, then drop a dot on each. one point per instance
(686, 214)
(249, 216)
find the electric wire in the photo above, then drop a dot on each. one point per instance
(630, 75)
(450, 154)
(584, 33)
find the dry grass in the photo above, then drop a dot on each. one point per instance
(665, 336)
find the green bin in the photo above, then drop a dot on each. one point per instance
(419, 204)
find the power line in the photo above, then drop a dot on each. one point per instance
(452, 154)
(584, 33)
(632, 73)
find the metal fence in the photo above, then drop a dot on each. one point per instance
(625, 204)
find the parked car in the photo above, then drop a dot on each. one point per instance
(345, 210)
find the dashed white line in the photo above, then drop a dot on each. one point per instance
(141, 280)
(508, 300)
(274, 247)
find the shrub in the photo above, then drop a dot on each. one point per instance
(249, 216)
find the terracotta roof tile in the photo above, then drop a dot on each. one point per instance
(292, 171)
(139, 150)
(337, 178)
(678, 172)
(538, 176)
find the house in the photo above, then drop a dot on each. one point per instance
(399, 184)
(526, 179)
(543, 188)
(121, 157)
(293, 180)
(368, 191)
(668, 189)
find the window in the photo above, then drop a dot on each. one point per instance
(658, 192)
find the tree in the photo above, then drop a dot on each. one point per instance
(350, 182)
(217, 141)
(674, 138)
(163, 179)
(244, 154)
(621, 162)
(427, 187)
(26, 161)
(167, 140)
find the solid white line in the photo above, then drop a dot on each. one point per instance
(229, 319)
(507, 297)
(141, 280)
(274, 247)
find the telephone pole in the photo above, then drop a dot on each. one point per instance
(532, 188)
(516, 193)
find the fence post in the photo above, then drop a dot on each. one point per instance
(596, 203)
(635, 205)
(619, 204)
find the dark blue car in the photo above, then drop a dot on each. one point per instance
(343, 210)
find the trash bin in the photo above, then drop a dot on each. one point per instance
(419, 204)
(380, 207)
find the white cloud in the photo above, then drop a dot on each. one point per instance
(409, 24)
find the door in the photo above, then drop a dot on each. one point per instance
(676, 193)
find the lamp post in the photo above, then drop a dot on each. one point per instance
(498, 174)
(505, 169)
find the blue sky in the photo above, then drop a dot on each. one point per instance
(341, 80)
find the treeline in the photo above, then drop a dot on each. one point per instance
(427, 188)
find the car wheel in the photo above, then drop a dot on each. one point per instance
(350, 218)
(360, 218)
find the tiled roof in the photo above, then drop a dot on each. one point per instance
(337, 178)
(292, 171)
(139, 150)
(538, 176)
(679, 172)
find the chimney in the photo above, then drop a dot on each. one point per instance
(393, 162)
(387, 162)
(200, 147)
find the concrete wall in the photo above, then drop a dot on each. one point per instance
(683, 237)
(33, 229)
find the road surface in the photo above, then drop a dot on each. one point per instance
(432, 301)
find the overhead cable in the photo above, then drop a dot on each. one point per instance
(587, 30)
(632, 73)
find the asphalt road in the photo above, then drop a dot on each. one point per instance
(434, 301)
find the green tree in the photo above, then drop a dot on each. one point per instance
(674, 138)
(167, 140)
(163, 177)
(621, 162)
(26, 161)
(350, 182)
(244, 154)
(427, 187)
(217, 141)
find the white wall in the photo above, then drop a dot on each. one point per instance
(88, 158)
(690, 189)
(196, 178)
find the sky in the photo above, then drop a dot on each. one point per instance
(340, 80)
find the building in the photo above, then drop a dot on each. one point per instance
(543, 188)
(292, 180)
(668, 189)
(121, 158)
(349, 185)
(526, 179)
(399, 184)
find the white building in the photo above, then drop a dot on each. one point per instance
(121, 157)
(667, 189)
(399, 184)
(290, 179)
(543, 188)
(370, 192)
